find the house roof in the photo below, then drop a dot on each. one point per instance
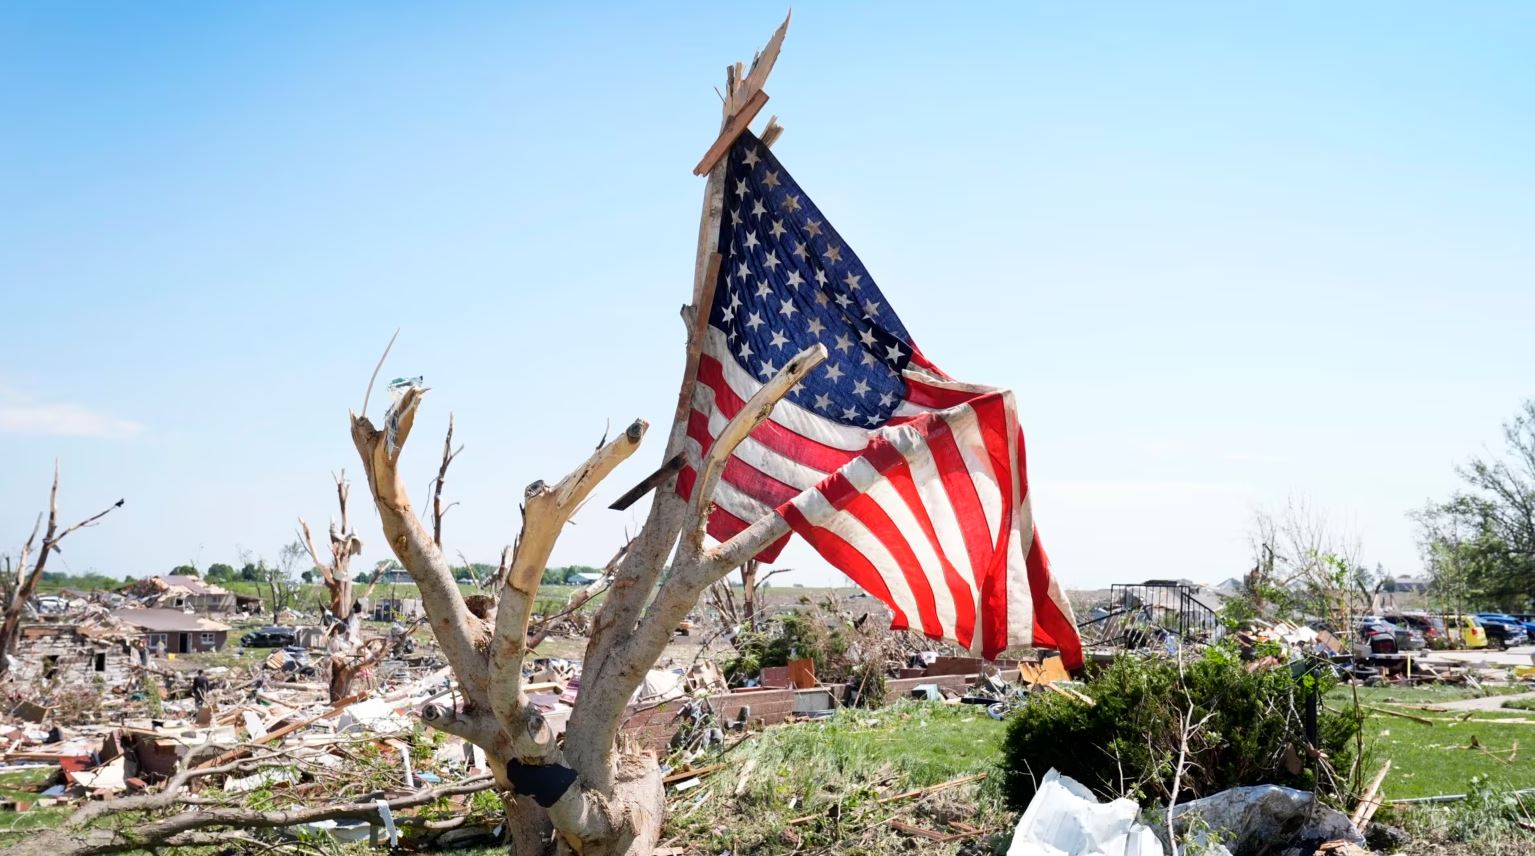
(167, 621)
(192, 584)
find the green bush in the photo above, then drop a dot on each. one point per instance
(1127, 743)
(866, 685)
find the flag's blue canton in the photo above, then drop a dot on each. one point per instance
(788, 280)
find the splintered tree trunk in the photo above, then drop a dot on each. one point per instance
(595, 793)
(749, 593)
(343, 675)
(638, 798)
(348, 656)
(25, 583)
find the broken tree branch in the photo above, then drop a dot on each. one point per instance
(27, 579)
(462, 636)
(754, 413)
(546, 510)
(373, 377)
(75, 839)
(448, 454)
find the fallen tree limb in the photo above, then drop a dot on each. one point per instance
(1423, 719)
(74, 839)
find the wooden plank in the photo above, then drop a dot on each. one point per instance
(693, 773)
(733, 129)
(1371, 799)
(1070, 693)
(802, 674)
(543, 687)
(1052, 670)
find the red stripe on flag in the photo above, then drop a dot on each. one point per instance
(892, 464)
(847, 560)
(1052, 629)
(874, 518)
(964, 499)
(936, 397)
(991, 419)
(698, 429)
(964, 599)
(685, 478)
(757, 484)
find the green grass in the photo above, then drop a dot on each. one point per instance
(22, 785)
(844, 763)
(1433, 759)
(1424, 694)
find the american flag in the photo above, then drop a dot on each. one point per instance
(911, 483)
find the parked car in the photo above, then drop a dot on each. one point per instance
(1468, 631)
(1404, 636)
(1529, 625)
(270, 637)
(1435, 635)
(1504, 630)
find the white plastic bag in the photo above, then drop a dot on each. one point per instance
(1065, 819)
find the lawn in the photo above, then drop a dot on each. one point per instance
(835, 771)
(1439, 756)
(20, 785)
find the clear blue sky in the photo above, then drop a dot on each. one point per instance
(1224, 254)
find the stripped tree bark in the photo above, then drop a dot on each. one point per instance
(597, 795)
(20, 581)
(348, 654)
(594, 793)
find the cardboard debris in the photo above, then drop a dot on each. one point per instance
(107, 777)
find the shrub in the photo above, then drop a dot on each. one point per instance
(866, 685)
(1127, 743)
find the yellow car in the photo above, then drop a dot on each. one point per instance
(1468, 628)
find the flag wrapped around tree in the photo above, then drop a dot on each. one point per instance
(912, 483)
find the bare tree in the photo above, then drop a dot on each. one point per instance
(20, 580)
(1304, 557)
(596, 793)
(349, 655)
(279, 578)
(745, 615)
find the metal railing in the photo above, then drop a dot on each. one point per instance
(1141, 613)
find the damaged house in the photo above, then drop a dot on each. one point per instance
(175, 631)
(179, 592)
(73, 653)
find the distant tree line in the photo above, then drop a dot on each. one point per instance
(259, 571)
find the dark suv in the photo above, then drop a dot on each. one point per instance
(269, 637)
(1505, 631)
